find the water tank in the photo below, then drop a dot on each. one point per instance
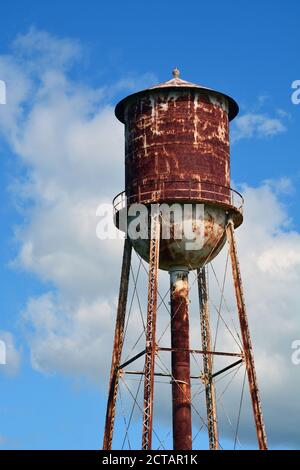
(177, 151)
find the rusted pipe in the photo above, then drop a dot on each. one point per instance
(181, 385)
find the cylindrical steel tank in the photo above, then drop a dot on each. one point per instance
(177, 151)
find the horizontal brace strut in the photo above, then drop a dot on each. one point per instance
(199, 351)
(157, 374)
(161, 374)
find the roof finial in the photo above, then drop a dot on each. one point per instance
(176, 72)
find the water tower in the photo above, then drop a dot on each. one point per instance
(177, 152)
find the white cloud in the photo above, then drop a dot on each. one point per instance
(67, 339)
(256, 125)
(281, 186)
(73, 338)
(268, 248)
(43, 51)
(71, 145)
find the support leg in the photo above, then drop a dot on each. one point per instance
(151, 331)
(118, 345)
(247, 345)
(210, 392)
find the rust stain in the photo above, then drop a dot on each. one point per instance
(180, 289)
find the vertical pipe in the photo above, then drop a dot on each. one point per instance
(247, 344)
(211, 406)
(180, 343)
(118, 346)
(151, 331)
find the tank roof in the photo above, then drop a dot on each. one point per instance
(174, 84)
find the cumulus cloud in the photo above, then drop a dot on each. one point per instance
(66, 136)
(269, 249)
(256, 125)
(66, 339)
(43, 51)
(70, 145)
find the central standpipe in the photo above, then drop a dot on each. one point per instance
(180, 343)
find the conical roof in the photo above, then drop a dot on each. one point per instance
(176, 83)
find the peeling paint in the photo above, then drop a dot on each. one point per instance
(175, 134)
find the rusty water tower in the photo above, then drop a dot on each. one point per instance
(177, 151)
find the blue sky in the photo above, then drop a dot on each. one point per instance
(75, 60)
